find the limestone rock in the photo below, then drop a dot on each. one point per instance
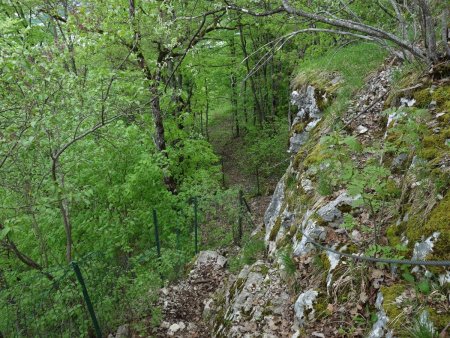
(211, 257)
(174, 328)
(304, 303)
(361, 129)
(122, 332)
(422, 249)
(308, 114)
(274, 208)
(331, 212)
(310, 228)
(256, 301)
(379, 329)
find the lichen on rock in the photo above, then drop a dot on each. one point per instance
(380, 329)
(304, 309)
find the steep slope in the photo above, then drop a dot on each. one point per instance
(371, 180)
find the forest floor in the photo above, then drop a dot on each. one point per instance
(229, 148)
(183, 302)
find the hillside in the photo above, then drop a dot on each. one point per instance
(276, 168)
(362, 181)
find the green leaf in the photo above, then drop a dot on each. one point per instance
(408, 277)
(353, 143)
(349, 222)
(4, 232)
(424, 286)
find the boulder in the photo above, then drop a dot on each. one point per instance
(211, 258)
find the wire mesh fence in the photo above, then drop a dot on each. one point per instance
(120, 289)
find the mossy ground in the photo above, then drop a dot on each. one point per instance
(297, 128)
(434, 145)
(395, 313)
(441, 97)
(439, 320)
(437, 221)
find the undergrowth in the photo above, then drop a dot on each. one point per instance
(354, 63)
(252, 250)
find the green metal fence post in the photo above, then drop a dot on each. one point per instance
(77, 270)
(158, 243)
(196, 224)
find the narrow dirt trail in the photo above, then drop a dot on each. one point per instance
(229, 148)
(183, 304)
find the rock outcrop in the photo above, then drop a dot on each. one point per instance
(390, 200)
(183, 304)
(324, 294)
(255, 303)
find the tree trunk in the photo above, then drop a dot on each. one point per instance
(155, 80)
(58, 180)
(159, 138)
(244, 103)
(428, 30)
(233, 83)
(257, 104)
(445, 31)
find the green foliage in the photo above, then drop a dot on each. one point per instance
(289, 264)
(349, 222)
(368, 184)
(265, 150)
(423, 329)
(353, 63)
(324, 185)
(386, 252)
(252, 250)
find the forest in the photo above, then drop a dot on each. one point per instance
(137, 135)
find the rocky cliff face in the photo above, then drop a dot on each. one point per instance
(372, 181)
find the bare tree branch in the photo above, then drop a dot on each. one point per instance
(359, 27)
(9, 244)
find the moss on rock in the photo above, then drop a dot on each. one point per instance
(393, 234)
(325, 262)
(442, 97)
(297, 128)
(434, 145)
(321, 306)
(439, 221)
(324, 81)
(390, 293)
(423, 98)
(275, 229)
(316, 156)
(439, 320)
